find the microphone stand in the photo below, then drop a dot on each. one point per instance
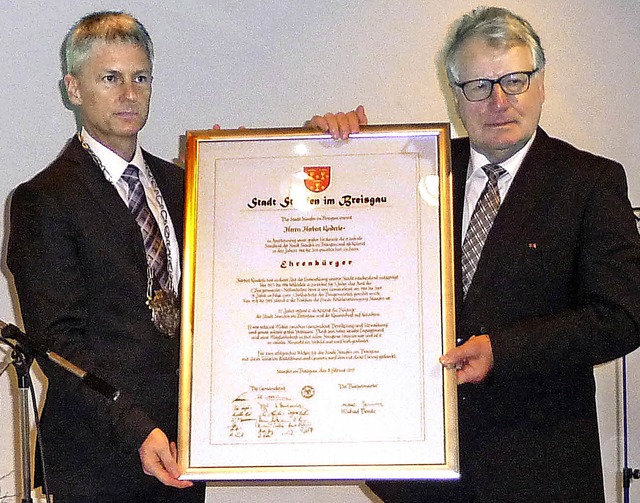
(22, 361)
(24, 351)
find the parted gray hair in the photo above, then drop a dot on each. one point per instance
(104, 26)
(496, 26)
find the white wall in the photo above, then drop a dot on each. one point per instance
(276, 63)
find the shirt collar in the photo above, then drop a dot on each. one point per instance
(112, 163)
(511, 165)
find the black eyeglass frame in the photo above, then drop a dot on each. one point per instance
(493, 82)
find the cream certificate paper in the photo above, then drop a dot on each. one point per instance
(318, 310)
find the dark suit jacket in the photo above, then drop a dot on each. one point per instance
(78, 260)
(558, 290)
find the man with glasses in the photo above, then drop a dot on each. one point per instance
(548, 269)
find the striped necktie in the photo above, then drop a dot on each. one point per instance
(153, 243)
(480, 224)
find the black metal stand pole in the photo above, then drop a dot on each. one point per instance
(22, 363)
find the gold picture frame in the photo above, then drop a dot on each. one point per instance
(317, 297)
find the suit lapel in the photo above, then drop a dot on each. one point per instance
(171, 190)
(459, 164)
(532, 181)
(103, 198)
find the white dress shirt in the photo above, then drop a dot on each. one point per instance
(477, 179)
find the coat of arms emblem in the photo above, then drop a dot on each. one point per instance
(318, 178)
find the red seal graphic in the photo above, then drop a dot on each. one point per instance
(318, 178)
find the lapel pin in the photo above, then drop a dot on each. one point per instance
(533, 246)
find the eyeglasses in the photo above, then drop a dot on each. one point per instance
(511, 83)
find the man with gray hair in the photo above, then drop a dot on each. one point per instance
(548, 278)
(94, 248)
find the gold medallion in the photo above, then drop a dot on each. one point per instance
(165, 312)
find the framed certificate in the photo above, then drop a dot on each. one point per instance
(317, 298)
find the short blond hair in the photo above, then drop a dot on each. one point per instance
(104, 26)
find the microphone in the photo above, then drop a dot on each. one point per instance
(27, 345)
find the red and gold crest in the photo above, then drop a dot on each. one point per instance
(318, 178)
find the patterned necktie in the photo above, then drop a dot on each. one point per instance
(480, 224)
(153, 243)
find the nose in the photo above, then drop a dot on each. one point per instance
(498, 97)
(129, 90)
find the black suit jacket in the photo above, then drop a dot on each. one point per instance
(557, 289)
(78, 260)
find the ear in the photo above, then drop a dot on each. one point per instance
(73, 89)
(456, 92)
(542, 84)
